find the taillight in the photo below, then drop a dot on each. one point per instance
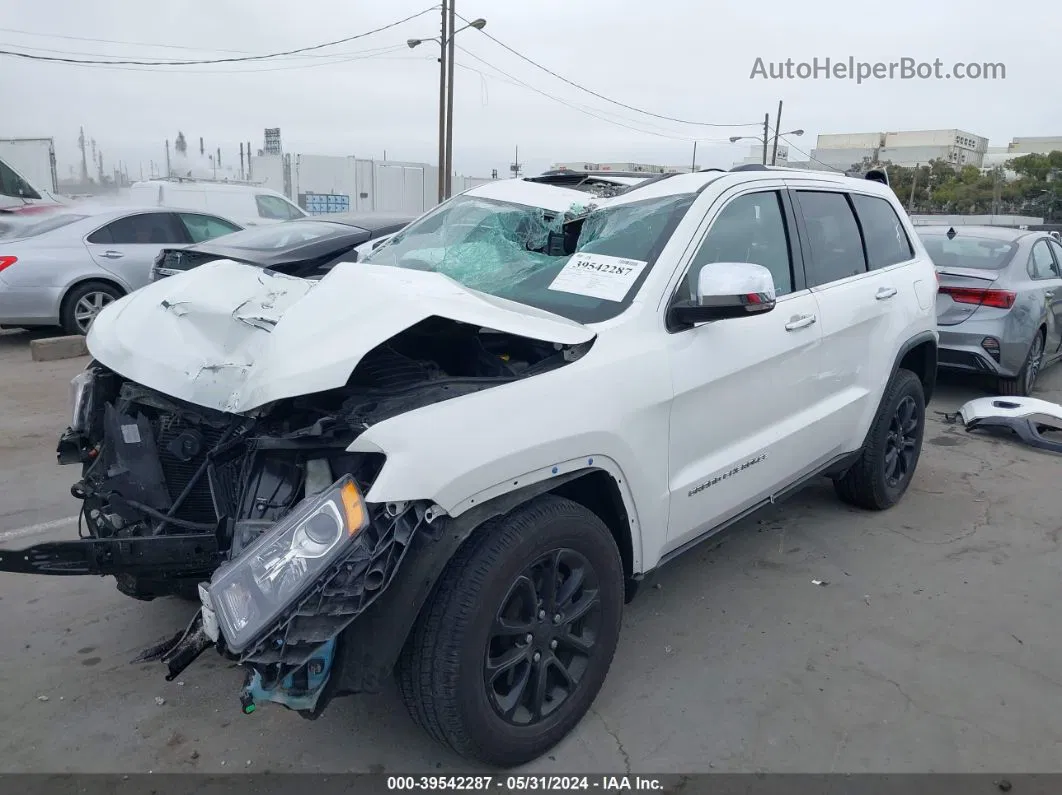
(1000, 299)
(7, 262)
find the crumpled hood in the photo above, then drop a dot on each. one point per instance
(234, 337)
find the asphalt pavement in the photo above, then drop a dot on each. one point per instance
(932, 645)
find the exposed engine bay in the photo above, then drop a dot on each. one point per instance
(172, 491)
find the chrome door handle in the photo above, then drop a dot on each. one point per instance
(803, 321)
(112, 254)
(885, 292)
(1049, 294)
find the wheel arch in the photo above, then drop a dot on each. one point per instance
(919, 355)
(89, 279)
(369, 648)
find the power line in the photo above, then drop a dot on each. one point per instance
(572, 83)
(118, 41)
(240, 59)
(383, 55)
(811, 159)
(300, 57)
(573, 106)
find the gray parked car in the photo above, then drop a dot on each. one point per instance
(62, 268)
(999, 305)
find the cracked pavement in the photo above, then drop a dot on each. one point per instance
(933, 647)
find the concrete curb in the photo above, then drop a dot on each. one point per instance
(53, 348)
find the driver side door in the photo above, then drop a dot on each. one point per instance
(748, 397)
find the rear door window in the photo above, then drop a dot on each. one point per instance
(142, 229)
(1057, 249)
(833, 237)
(886, 240)
(206, 227)
(1041, 263)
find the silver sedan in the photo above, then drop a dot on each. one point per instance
(62, 268)
(999, 305)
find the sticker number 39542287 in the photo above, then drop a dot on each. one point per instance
(598, 276)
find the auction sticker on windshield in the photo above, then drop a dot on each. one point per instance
(598, 276)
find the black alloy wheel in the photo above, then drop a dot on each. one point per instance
(512, 647)
(901, 443)
(886, 464)
(543, 637)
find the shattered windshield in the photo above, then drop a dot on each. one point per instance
(585, 264)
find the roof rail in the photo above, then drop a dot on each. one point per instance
(702, 170)
(651, 181)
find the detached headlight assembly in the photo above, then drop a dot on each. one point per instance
(250, 592)
(81, 388)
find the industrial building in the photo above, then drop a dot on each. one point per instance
(641, 168)
(907, 148)
(1034, 145)
(755, 155)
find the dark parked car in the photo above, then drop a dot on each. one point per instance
(306, 247)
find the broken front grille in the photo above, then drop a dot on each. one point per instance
(183, 450)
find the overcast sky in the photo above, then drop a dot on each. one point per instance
(686, 59)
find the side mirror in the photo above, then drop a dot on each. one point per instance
(727, 290)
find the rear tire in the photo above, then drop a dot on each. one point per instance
(1023, 385)
(887, 462)
(83, 303)
(495, 630)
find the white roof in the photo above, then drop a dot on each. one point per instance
(530, 194)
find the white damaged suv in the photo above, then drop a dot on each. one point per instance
(454, 461)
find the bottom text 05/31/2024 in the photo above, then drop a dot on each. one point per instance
(522, 783)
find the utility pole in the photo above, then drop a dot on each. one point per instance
(777, 127)
(249, 160)
(201, 150)
(914, 182)
(84, 160)
(766, 134)
(997, 189)
(694, 167)
(241, 160)
(515, 167)
(219, 157)
(452, 27)
(442, 100)
(169, 173)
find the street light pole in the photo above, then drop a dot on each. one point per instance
(450, 100)
(446, 90)
(442, 102)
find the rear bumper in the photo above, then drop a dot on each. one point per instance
(31, 305)
(967, 347)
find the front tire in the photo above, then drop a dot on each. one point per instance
(887, 462)
(517, 640)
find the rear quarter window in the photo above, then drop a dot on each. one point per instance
(883, 232)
